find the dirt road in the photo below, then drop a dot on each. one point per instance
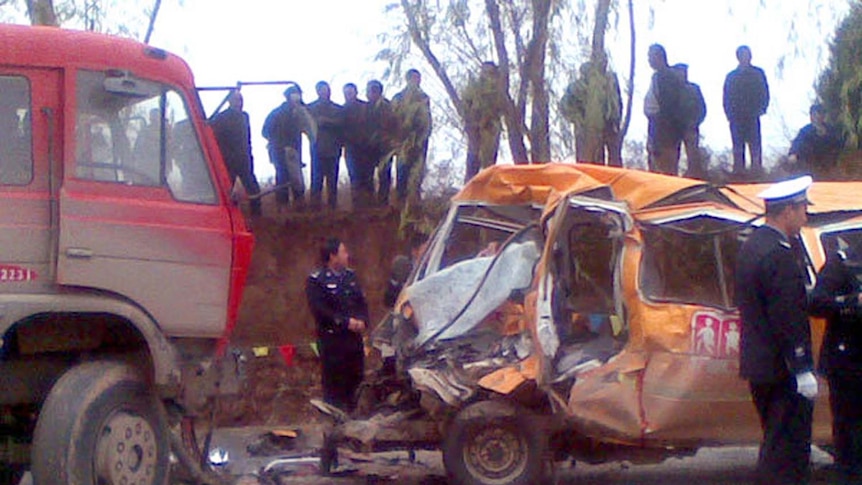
(710, 466)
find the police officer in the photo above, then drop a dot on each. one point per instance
(341, 312)
(775, 347)
(837, 297)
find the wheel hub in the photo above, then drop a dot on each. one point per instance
(496, 453)
(126, 451)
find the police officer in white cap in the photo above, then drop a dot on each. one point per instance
(775, 352)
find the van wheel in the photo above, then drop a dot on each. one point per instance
(494, 450)
(99, 425)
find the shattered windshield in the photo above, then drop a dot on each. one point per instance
(476, 230)
(691, 261)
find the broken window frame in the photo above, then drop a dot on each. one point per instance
(547, 329)
(744, 222)
(834, 229)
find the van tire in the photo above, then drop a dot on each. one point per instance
(99, 424)
(494, 450)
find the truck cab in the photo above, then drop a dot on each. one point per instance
(122, 256)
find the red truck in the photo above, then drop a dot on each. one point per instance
(122, 255)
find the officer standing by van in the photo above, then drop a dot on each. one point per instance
(775, 347)
(341, 312)
(837, 297)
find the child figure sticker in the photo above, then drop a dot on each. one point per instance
(16, 274)
(715, 334)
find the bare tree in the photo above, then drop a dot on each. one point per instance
(519, 34)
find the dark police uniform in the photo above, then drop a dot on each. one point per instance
(334, 298)
(836, 297)
(775, 347)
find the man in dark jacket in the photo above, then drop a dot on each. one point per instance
(662, 108)
(746, 97)
(775, 345)
(356, 154)
(283, 129)
(838, 297)
(693, 110)
(233, 134)
(341, 312)
(815, 149)
(326, 149)
(382, 137)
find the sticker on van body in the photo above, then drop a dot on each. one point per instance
(15, 274)
(715, 334)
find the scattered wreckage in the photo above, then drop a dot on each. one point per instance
(576, 311)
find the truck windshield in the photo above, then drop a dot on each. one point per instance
(140, 137)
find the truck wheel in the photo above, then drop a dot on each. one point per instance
(99, 426)
(494, 450)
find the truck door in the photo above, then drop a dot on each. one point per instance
(29, 140)
(140, 216)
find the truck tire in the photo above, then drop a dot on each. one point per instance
(494, 450)
(99, 425)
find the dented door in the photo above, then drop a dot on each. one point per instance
(140, 213)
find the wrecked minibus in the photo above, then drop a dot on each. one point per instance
(576, 312)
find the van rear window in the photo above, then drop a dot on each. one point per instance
(16, 157)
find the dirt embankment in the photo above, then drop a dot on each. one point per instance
(274, 310)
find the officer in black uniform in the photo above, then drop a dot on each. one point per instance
(341, 312)
(775, 352)
(837, 297)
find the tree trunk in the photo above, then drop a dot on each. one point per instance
(540, 146)
(41, 12)
(630, 85)
(603, 8)
(513, 116)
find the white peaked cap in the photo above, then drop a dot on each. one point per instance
(788, 191)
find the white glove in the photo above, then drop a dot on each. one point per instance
(806, 384)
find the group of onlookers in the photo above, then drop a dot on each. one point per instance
(675, 108)
(371, 136)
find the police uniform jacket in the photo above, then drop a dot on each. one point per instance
(836, 297)
(770, 293)
(334, 298)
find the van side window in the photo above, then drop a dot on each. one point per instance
(691, 261)
(138, 132)
(16, 157)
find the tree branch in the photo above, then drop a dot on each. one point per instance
(423, 45)
(514, 116)
(152, 25)
(630, 85)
